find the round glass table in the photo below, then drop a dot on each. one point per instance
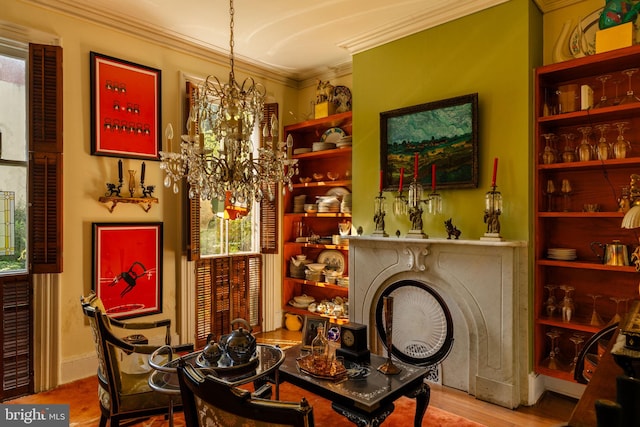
(164, 378)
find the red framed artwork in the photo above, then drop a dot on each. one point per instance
(125, 108)
(127, 268)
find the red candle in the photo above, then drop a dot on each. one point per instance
(415, 166)
(495, 172)
(401, 178)
(381, 181)
(433, 177)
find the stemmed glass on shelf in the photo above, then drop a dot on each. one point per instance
(577, 339)
(584, 150)
(630, 96)
(553, 361)
(596, 320)
(621, 147)
(604, 102)
(603, 149)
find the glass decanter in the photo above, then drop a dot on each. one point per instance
(320, 345)
(584, 150)
(621, 147)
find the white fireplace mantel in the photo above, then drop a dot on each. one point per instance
(483, 283)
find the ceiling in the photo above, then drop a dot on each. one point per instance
(297, 39)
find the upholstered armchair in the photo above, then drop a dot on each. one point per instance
(123, 374)
(207, 401)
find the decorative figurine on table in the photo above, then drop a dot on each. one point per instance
(113, 190)
(493, 209)
(451, 230)
(415, 200)
(379, 213)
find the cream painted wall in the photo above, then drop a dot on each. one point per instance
(493, 53)
(85, 175)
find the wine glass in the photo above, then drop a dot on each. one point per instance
(332, 175)
(621, 147)
(596, 320)
(549, 153)
(617, 99)
(602, 148)
(629, 97)
(552, 361)
(577, 339)
(550, 192)
(616, 317)
(584, 150)
(569, 153)
(604, 102)
(550, 304)
(568, 306)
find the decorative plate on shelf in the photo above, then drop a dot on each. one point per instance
(333, 135)
(583, 37)
(333, 258)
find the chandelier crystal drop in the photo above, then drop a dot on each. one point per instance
(216, 156)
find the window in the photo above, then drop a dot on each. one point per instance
(13, 163)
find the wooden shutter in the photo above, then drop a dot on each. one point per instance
(254, 284)
(269, 208)
(204, 301)
(16, 363)
(227, 288)
(45, 159)
(191, 206)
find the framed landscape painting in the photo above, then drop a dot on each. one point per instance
(444, 133)
(127, 268)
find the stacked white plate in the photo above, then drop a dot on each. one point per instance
(298, 203)
(321, 146)
(328, 204)
(302, 150)
(562, 254)
(345, 141)
(345, 205)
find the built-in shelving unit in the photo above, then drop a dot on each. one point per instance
(560, 220)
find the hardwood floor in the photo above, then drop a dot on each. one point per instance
(553, 410)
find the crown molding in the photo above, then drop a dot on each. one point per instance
(405, 27)
(165, 38)
(550, 5)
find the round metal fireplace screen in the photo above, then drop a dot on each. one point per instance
(422, 328)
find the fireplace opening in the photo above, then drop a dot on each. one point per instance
(421, 326)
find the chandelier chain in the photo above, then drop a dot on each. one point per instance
(217, 156)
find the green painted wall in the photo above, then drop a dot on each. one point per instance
(493, 53)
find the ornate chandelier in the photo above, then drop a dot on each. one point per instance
(217, 155)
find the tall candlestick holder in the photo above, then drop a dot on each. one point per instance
(388, 368)
(492, 211)
(413, 206)
(379, 214)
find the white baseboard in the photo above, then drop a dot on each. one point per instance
(77, 368)
(566, 388)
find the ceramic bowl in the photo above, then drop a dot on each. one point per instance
(304, 299)
(316, 267)
(310, 208)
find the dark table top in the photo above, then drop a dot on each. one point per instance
(364, 387)
(267, 359)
